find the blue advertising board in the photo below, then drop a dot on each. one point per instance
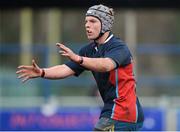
(64, 119)
(154, 119)
(67, 119)
(178, 120)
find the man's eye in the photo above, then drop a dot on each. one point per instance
(93, 21)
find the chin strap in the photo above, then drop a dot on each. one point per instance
(100, 34)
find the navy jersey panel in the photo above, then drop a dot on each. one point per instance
(119, 52)
(75, 67)
(140, 112)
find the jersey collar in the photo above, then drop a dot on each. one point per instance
(102, 45)
(108, 38)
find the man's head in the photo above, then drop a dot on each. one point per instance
(104, 15)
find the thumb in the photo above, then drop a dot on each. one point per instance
(34, 64)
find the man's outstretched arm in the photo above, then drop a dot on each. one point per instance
(93, 64)
(33, 71)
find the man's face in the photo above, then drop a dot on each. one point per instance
(93, 27)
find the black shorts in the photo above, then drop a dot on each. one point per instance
(108, 124)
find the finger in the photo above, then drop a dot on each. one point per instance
(58, 44)
(18, 72)
(21, 71)
(66, 55)
(24, 67)
(22, 76)
(25, 79)
(34, 63)
(62, 52)
(62, 46)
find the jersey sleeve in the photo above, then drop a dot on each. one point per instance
(119, 53)
(78, 69)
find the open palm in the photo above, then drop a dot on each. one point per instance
(27, 72)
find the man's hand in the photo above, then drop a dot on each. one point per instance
(28, 72)
(67, 52)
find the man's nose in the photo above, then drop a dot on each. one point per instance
(87, 25)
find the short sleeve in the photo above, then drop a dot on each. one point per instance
(78, 69)
(119, 53)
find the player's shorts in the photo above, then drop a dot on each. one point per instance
(108, 124)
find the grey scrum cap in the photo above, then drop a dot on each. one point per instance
(104, 14)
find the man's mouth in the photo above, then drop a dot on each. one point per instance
(89, 32)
